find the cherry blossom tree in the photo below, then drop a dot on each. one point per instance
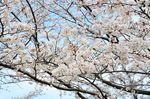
(97, 49)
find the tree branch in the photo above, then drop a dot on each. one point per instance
(35, 36)
(124, 88)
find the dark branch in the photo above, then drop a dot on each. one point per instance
(45, 82)
(35, 36)
(143, 92)
(2, 28)
(15, 16)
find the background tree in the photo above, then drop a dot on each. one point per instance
(97, 49)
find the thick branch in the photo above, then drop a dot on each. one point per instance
(45, 82)
(128, 72)
(124, 88)
(2, 28)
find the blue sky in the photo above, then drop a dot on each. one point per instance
(19, 90)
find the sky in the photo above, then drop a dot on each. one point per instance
(13, 91)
